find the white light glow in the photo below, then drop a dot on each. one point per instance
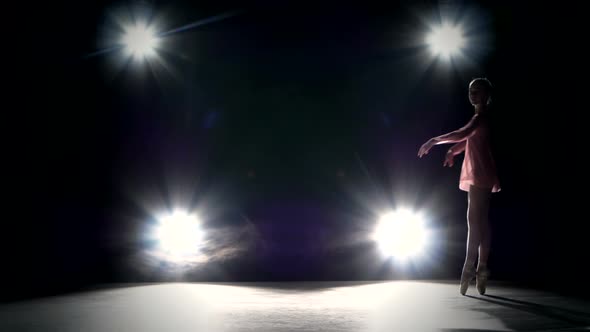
(179, 234)
(401, 234)
(140, 41)
(446, 40)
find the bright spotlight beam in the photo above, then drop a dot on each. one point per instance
(446, 40)
(105, 51)
(401, 234)
(179, 234)
(200, 22)
(137, 38)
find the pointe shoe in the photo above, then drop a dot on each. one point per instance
(466, 276)
(481, 280)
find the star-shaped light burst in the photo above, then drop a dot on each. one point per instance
(446, 40)
(179, 234)
(140, 41)
(449, 41)
(136, 36)
(402, 234)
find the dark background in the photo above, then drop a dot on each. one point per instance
(289, 126)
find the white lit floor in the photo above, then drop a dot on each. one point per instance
(313, 306)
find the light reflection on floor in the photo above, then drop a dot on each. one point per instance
(314, 306)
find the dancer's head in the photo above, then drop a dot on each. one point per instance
(480, 91)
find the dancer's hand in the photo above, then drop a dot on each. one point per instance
(449, 159)
(425, 148)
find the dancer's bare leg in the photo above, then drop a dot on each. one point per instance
(475, 205)
(486, 231)
(477, 233)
